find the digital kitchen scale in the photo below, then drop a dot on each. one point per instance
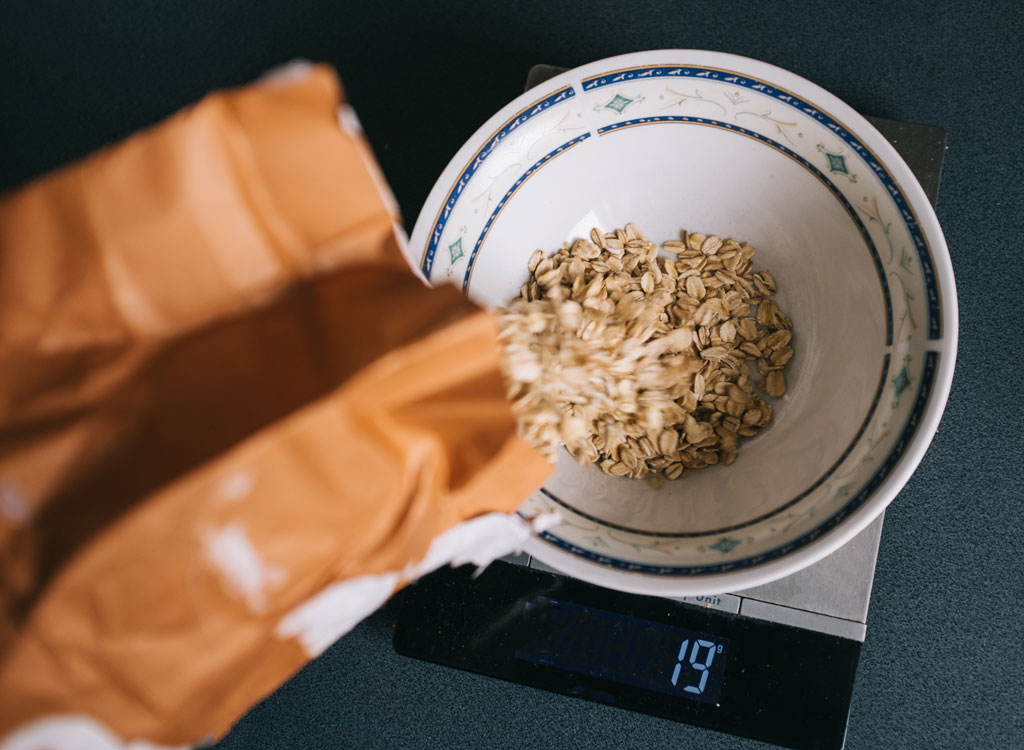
(775, 663)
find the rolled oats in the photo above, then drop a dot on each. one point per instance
(640, 363)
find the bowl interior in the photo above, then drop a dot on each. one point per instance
(715, 181)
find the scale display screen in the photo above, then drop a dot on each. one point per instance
(749, 677)
(629, 650)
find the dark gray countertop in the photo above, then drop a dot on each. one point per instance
(943, 664)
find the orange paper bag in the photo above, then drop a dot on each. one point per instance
(232, 420)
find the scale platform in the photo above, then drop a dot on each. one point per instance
(775, 663)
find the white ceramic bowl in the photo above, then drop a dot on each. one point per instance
(732, 146)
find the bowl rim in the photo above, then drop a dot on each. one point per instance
(876, 503)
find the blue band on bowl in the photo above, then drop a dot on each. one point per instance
(520, 118)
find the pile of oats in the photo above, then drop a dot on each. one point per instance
(641, 363)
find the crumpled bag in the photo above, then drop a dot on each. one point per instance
(232, 419)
